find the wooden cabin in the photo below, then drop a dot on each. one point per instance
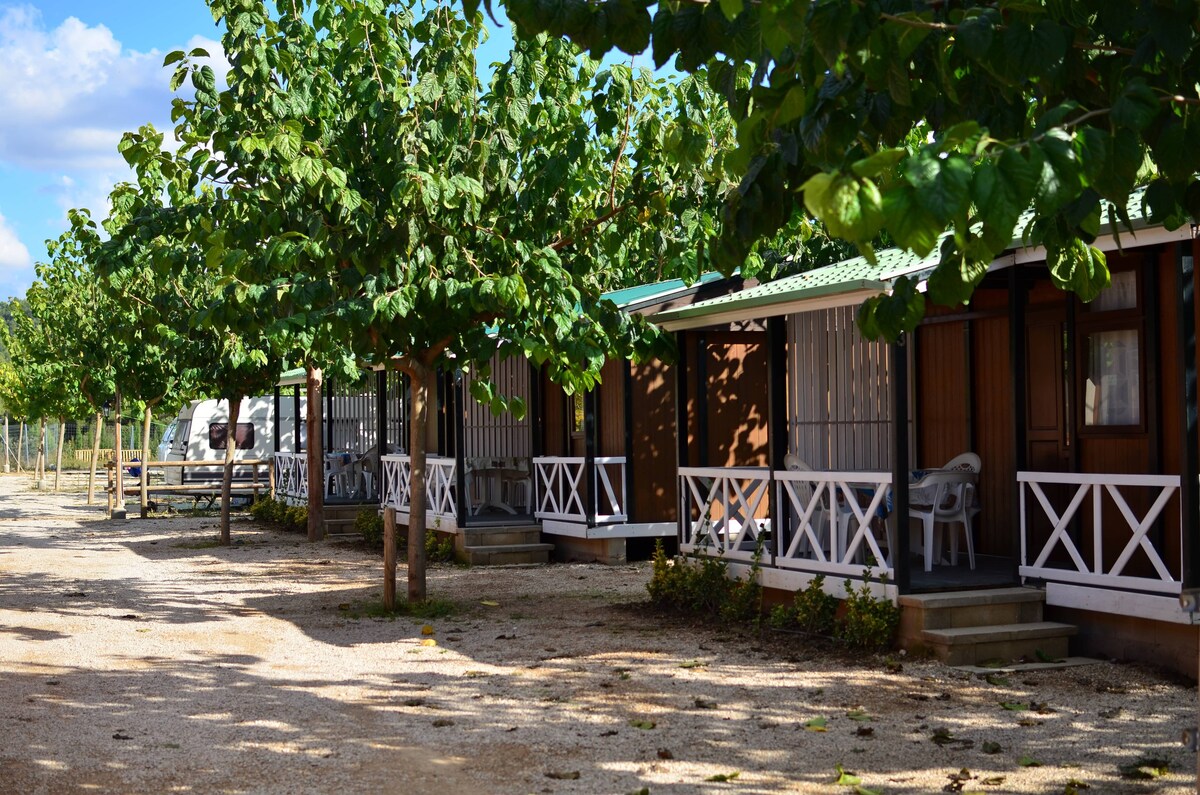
(1083, 417)
(580, 475)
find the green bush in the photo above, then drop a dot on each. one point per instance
(267, 510)
(369, 524)
(813, 610)
(868, 623)
(438, 550)
(702, 585)
(295, 518)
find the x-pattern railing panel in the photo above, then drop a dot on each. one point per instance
(560, 488)
(1096, 486)
(440, 479)
(837, 514)
(720, 507)
(291, 475)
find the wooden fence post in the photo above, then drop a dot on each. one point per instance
(389, 559)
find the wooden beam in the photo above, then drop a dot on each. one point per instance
(1189, 491)
(900, 455)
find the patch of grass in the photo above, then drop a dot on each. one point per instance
(209, 544)
(430, 608)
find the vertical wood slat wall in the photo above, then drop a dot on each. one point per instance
(499, 436)
(838, 393)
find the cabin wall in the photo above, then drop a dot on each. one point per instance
(733, 405)
(488, 435)
(655, 490)
(554, 418)
(612, 409)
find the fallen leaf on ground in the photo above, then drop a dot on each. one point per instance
(1028, 761)
(665, 753)
(719, 777)
(645, 725)
(844, 777)
(1014, 706)
(691, 664)
(572, 775)
(990, 747)
(859, 715)
(427, 629)
(441, 723)
(1145, 768)
(429, 642)
(816, 725)
(489, 603)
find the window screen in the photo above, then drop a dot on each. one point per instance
(218, 431)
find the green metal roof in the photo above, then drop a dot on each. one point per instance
(854, 276)
(657, 291)
(292, 377)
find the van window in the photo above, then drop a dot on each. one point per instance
(218, 431)
(182, 434)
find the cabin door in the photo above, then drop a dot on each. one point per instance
(1047, 431)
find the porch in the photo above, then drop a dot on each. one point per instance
(1083, 418)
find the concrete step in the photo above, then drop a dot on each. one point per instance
(974, 645)
(499, 535)
(339, 526)
(971, 608)
(346, 511)
(506, 554)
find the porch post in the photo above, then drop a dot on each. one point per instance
(627, 382)
(1189, 492)
(591, 432)
(537, 426)
(702, 397)
(328, 423)
(777, 420)
(275, 430)
(681, 428)
(1017, 374)
(456, 426)
(898, 373)
(381, 428)
(296, 419)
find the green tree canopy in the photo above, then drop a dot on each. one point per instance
(940, 123)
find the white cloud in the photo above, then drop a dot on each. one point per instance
(14, 256)
(69, 93)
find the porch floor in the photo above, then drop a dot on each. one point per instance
(990, 572)
(498, 519)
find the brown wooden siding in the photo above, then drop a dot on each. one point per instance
(654, 446)
(736, 379)
(992, 415)
(943, 396)
(554, 440)
(612, 409)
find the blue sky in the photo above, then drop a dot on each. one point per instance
(74, 75)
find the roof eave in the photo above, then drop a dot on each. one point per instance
(844, 294)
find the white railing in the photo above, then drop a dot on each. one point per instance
(724, 509)
(291, 477)
(836, 516)
(560, 491)
(1097, 572)
(440, 491)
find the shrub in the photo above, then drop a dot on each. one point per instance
(868, 623)
(369, 524)
(295, 517)
(813, 610)
(702, 585)
(438, 550)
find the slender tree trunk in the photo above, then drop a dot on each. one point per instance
(119, 485)
(95, 455)
(315, 456)
(144, 497)
(6, 451)
(62, 439)
(39, 463)
(419, 376)
(235, 408)
(20, 443)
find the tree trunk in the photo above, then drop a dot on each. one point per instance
(62, 439)
(419, 376)
(95, 455)
(20, 443)
(119, 484)
(39, 463)
(235, 407)
(6, 469)
(144, 497)
(315, 456)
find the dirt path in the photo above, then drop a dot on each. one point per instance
(135, 658)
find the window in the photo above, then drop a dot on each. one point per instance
(218, 431)
(1109, 334)
(1112, 385)
(180, 440)
(577, 416)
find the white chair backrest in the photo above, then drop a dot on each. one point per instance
(947, 487)
(792, 463)
(966, 462)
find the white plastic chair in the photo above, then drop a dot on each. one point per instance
(949, 489)
(820, 515)
(965, 462)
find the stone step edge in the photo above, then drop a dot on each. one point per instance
(981, 598)
(997, 633)
(502, 548)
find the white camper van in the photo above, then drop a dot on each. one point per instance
(200, 431)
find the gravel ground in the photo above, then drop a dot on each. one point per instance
(135, 657)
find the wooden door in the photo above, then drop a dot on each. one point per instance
(1047, 433)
